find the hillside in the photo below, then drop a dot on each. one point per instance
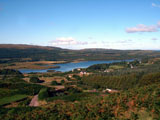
(114, 91)
(18, 52)
(25, 46)
(136, 96)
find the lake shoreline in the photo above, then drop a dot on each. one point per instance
(69, 66)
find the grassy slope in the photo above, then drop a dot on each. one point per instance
(14, 98)
(139, 103)
(33, 53)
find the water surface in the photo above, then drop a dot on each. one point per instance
(65, 67)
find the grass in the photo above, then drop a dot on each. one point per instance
(14, 98)
(116, 67)
(31, 65)
(143, 115)
(7, 92)
(73, 97)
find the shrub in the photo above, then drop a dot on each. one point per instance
(77, 77)
(35, 80)
(68, 78)
(43, 94)
(96, 86)
(62, 81)
(8, 73)
(71, 90)
(11, 72)
(54, 83)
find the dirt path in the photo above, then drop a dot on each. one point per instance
(34, 102)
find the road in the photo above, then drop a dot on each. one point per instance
(34, 102)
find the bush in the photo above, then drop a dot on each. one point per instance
(71, 90)
(35, 80)
(96, 86)
(43, 94)
(11, 72)
(62, 81)
(77, 77)
(19, 88)
(55, 83)
(68, 78)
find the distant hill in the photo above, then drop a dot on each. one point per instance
(25, 46)
(21, 52)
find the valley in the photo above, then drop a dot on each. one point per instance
(113, 90)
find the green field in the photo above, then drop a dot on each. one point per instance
(14, 98)
(116, 67)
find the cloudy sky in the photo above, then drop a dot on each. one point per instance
(78, 24)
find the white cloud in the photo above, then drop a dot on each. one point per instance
(125, 41)
(155, 5)
(65, 41)
(90, 38)
(142, 28)
(93, 42)
(158, 24)
(154, 39)
(119, 44)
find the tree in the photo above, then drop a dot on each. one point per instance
(35, 80)
(54, 83)
(62, 81)
(43, 94)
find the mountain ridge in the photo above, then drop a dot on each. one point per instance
(25, 46)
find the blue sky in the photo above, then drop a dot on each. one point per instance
(78, 24)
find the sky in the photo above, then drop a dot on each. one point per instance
(79, 24)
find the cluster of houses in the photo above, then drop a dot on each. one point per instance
(81, 72)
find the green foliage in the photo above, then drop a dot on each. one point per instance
(73, 97)
(98, 67)
(16, 53)
(110, 107)
(68, 78)
(77, 77)
(138, 96)
(20, 88)
(62, 82)
(121, 82)
(71, 90)
(55, 83)
(35, 80)
(134, 116)
(11, 72)
(102, 67)
(114, 82)
(19, 111)
(13, 79)
(150, 79)
(7, 100)
(96, 86)
(25, 102)
(135, 62)
(43, 94)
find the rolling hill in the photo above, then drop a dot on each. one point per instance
(21, 52)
